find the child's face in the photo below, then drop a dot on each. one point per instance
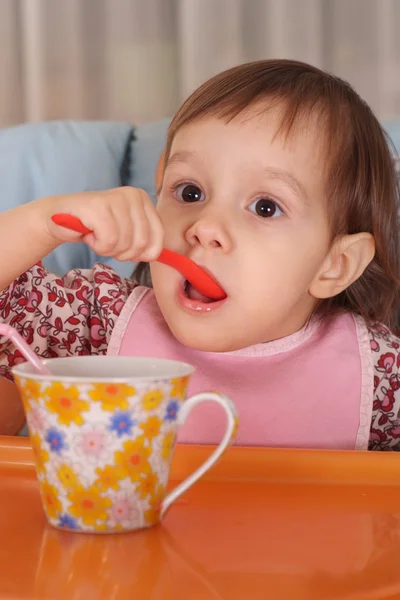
(250, 208)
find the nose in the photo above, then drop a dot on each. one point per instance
(210, 233)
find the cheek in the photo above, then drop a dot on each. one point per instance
(174, 223)
(290, 259)
(164, 281)
(156, 274)
(168, 207)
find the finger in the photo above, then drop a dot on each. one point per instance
(120, 209)
(141, 230)
(63, 234)
(105, 231)
(140, 233)
(157, 234)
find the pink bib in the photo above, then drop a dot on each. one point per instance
(313, 389)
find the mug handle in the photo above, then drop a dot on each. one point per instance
(231, 429)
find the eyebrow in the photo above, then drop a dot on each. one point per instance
(288, 179)
(272, 172)
(180, 157)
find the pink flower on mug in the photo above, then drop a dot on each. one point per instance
(124, 513)
(37, 421)
(92, 442)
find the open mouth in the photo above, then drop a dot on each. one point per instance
(193, 301)
(193, 294)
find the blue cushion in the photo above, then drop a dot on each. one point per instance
(392, 128)
(147, 148)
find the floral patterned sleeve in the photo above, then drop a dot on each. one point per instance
(62, 316)
(385, 424)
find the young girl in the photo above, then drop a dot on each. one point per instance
(279, 182)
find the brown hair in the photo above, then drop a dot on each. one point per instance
(362, 187)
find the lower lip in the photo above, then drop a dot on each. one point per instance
(196, 305)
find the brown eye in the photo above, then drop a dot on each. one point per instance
(189, 193)
(265, 208)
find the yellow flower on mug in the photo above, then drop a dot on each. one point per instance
(25, 403)
(41, 455)
(65, 401)
(179, 387)
(167, 445)
(152, 399)
(112, 395)
(67, 477)
(134, 459)
(108, 477)
(102, 528)
(29, 388)
(88, 504)
(147, 485)
(151, 427)
(152, 514)
(50, 498)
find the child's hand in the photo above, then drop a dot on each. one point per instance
(124, 222)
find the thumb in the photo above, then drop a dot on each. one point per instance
(69, 228)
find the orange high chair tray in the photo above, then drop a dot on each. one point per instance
(263, 524)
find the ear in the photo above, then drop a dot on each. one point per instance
(346, 261)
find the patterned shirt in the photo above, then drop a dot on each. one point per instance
(75, 315)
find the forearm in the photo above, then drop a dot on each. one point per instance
(24, 240)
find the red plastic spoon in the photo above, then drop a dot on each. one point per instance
(195, 275)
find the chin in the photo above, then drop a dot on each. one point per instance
(204, 341)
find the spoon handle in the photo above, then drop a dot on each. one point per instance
(203, 282)
(70, 222)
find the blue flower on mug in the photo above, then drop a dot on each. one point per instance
(122, 423)
(55, 439)
(172, 411)
(67, 522)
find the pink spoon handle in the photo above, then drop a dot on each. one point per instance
(203, 282)
(19, 342)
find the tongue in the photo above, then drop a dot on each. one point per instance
(193, 294)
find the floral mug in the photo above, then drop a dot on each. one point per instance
(103, 432)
